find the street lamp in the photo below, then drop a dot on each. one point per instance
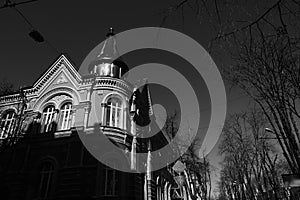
(273, 132)
(269, 130)
(34, 34)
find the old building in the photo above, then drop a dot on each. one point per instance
(42, 155)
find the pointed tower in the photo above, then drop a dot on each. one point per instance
(108, 63)
(110, 109)
(109, 94)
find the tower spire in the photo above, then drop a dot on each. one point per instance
(110, 32)
(109, 51)
(108, 61)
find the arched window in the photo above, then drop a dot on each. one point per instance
(7, 124)
(114, 113)
(111, 182)
(48, 118)
(46, 174)
(65, 116)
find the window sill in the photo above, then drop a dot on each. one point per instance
(62, 133)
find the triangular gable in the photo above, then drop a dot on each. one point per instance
(58, 64)
(61, 63)
(43, 82)
(60, 78)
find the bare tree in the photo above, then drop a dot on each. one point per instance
(198, 170)
(262, 38)
(251, 167)
(6, 87)
(265, 71)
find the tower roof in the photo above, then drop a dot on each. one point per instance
(109, 49)
(109, 54)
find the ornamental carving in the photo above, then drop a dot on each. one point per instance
(62, 79)
(60, 98)
(30, 104)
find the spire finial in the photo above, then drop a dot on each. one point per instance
(149, 146)
(110, 32)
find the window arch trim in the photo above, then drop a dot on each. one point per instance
(10, 109)
(109, 121)
(48, 104)
(56, 117)
(40, 102)
(65, 102)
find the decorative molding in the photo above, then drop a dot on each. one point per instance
(7, 108)
(114, 83)
(58, 99)
(61, 79)
(108, 83)
(60, 63)
(57, 91)
(30, 104)
(13, 98)
(114, 94)
(100, 92)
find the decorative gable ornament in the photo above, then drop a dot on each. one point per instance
(60, 98)
(62, 79)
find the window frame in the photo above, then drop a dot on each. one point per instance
(50, 118)
(7, 119)
(65, 118)
(42, 174)
(115, 180)
(114, 113)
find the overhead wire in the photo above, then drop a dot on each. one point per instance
(27, 21)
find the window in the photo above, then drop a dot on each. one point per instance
(7, 124)
(105, 69)
(45, 179)
(114, 112)
(65, 116)
(48, 118)
(111, 181)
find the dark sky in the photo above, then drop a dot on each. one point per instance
(76, 27)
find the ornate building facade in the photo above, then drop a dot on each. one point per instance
(42, 156)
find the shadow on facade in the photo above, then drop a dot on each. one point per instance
(42, 166)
